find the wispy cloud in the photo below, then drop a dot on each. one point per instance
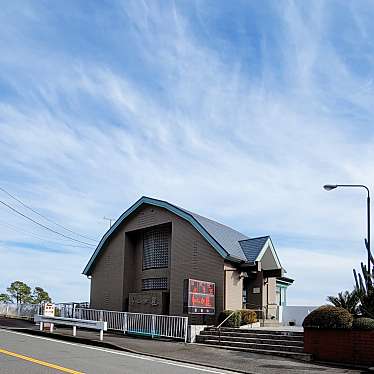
(238, 113)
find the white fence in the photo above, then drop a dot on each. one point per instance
(20, 310)
(131, 323)
(138, 323)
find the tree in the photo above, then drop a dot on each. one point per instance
(19, 292)
(40, 296)
(347, 300)
(5, 298)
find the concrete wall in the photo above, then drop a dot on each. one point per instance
(233, 288)
(295, 313)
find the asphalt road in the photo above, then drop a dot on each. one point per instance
(21, 353)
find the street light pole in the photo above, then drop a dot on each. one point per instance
(329, 187)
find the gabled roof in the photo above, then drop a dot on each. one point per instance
(229, 243)
(252, 247)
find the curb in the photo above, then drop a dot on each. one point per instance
(102, 344)
(97, 343)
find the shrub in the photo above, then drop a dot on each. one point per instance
(248, 316)
(363, 324)
(233, 321)
(329, 317)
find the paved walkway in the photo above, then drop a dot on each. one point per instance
(191, 353)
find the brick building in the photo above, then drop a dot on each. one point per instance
(160, 258)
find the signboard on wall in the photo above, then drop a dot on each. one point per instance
(199, 297)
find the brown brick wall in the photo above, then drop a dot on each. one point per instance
(118, 271)
(342, 346)
(192, 257)
(107, 278)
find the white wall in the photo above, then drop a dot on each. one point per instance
(295, 313)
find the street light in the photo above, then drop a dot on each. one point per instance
(329, 187)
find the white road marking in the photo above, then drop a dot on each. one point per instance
(132, 355)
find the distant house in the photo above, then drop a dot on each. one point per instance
(160, 258)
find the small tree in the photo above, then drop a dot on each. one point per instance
(5, 298)
(40, 296)
(20, 292)
(347, 300)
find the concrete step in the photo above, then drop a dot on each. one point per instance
(256, 340)
(257, 346)
(294, 355)
(270, 323)
(257, 331)
(246, 334)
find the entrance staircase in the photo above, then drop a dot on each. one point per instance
(273, 342)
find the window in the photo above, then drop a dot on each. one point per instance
(156, 248)
(281, 295)
(154, 284)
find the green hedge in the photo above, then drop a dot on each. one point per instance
(248, 316)
(363, 324)
(233, 321)
(329, 317)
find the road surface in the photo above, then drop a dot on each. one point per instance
(21, 353)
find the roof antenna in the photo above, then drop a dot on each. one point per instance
(110, 221)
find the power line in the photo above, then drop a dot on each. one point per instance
(25, 232)
(41, 225)
(46, 218)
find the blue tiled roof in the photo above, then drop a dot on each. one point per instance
(227, 237)
(252, 247)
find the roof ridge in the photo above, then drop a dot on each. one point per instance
(257, 237)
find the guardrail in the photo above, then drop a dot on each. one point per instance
(74, 322)
(20, 310)
(153, 325)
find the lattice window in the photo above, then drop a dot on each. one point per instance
(155, 248)
(155, 284)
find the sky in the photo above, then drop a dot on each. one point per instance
(239, 111)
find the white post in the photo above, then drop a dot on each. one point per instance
(41, 326)
(51, 327)
(125, 323)
(185, 329)
(101, 315)
(101, 335)
(153, 325)
(74, 330)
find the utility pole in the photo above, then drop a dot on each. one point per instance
(110, 221)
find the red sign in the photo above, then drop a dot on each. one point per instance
(199, 297)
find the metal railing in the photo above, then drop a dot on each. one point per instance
(20, 310)
(138, 323)
(220, 325)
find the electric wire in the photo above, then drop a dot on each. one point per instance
(28, 233)
(46, 218)
(41, 225)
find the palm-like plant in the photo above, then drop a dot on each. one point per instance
(347, 300)
(365, 285)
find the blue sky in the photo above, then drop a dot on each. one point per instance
(239, 111)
